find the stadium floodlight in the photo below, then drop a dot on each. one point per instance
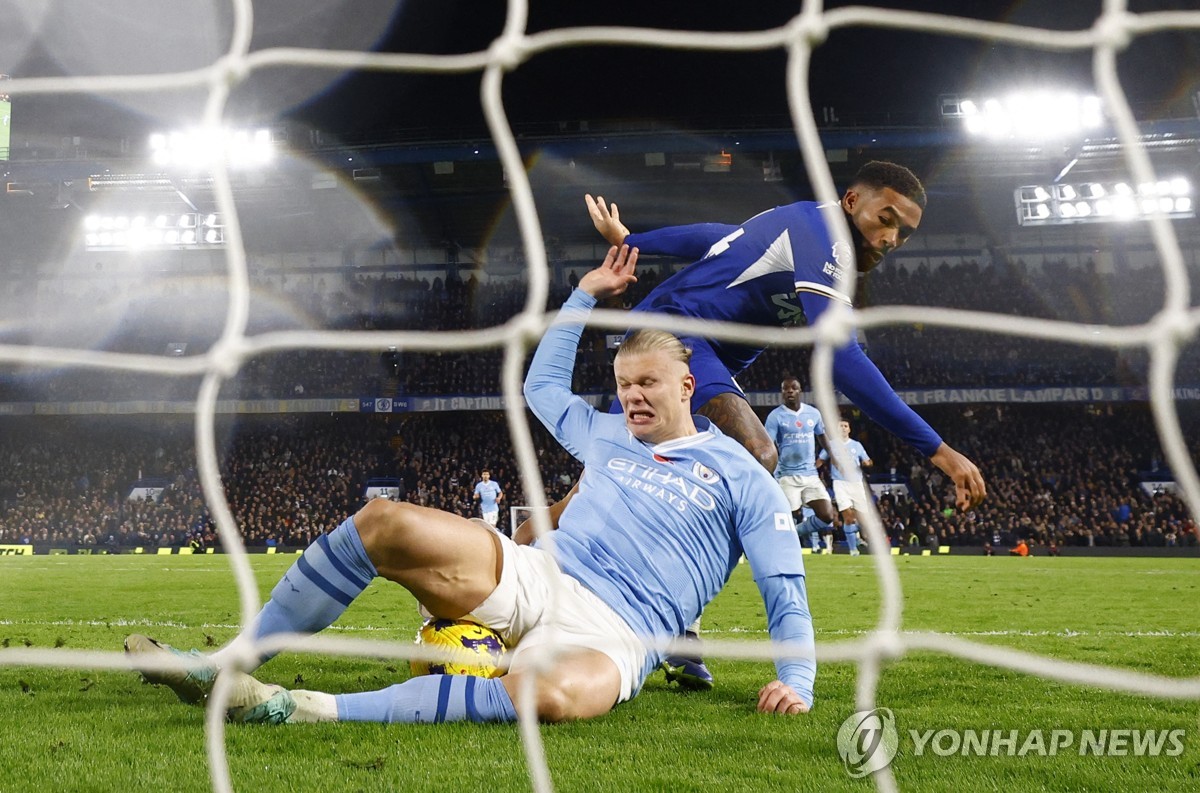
(189, 230)
(198, 149)
(1099, 202)
(145, 183)
(1032, 115)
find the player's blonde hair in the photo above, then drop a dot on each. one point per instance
(653, 340)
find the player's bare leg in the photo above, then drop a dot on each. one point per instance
(580, 685)
(734, 416)
(449, 563)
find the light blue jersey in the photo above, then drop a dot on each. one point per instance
(656, 530)
(489, 495)
(858, 454)
(794, 433)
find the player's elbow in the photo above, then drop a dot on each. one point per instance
(766, 453)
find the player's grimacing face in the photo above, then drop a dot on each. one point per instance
(884, 220)
(655, 391)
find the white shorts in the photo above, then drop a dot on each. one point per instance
(801, 490)
(849, 495)
(492, 516)
(519, 610)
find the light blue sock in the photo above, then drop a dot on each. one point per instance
(314, 592)
(431, 699)
(814, 524)
(851, 530)
(815, 539)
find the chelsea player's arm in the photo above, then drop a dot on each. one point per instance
(686, 242)
(861, 381)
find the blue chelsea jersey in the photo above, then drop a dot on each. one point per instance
(748, 273)
(778, 268)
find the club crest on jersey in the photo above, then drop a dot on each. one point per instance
(706, 474)
(843, 254)
(843, 259)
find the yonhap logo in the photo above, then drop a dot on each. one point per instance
(867, 741)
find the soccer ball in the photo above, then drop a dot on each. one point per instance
(471, 649)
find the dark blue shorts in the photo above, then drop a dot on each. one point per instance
(712, 376)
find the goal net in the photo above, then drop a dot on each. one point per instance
(215, 82)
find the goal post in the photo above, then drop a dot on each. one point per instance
(518, 514)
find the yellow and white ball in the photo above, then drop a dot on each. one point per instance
(469, 649)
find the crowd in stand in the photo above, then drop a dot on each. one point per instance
(910, 355)
(66, 482)
(1057, 476)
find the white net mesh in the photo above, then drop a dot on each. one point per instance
(1162, 336)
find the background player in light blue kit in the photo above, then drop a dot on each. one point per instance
(667, 508)
(848, 488)
(489, 495)
(797, 431)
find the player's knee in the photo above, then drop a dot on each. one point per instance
(555, 704)
(383, 524)
(559, 702)
(558, 696)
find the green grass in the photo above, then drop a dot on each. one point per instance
(82, 730)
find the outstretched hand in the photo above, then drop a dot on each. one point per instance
(607, 220)
(969, 489)
(614, 275)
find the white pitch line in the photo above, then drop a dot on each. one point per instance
(137, 623)
(1065, 633)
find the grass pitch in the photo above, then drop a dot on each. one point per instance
(77, 730)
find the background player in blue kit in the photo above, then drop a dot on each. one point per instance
(659, 523)
(848, 489)
(489, 495)
(798, 433)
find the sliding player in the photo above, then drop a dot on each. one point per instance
(668, 507)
